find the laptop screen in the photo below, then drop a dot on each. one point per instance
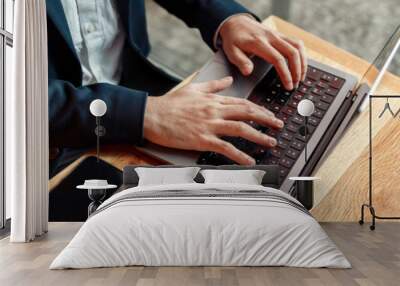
(387, 60)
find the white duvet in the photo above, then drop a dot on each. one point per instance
(187, 231)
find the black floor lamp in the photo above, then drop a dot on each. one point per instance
(370, 205)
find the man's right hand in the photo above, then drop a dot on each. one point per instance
(194, 117)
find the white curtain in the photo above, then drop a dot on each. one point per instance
(27, 124)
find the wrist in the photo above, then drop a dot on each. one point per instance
(230, 23)
(148, 121)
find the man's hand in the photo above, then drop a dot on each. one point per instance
(194, 117)
(243, 36)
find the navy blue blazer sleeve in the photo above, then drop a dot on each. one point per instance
(72, 124)
(206, 15)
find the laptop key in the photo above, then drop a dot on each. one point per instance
(288, 110)
(322, 85)
(327, 77)
(303, 89)
(298, 96)
(203, 160)
(273, 161)
(283, 117)
(286, 162)
(283, 171)
(322, 105)
(308, 83)
(283, 144)
(273, 132)
(275, 108)
(311, 129)
(292, 128)
(326, 98)
(286, 135)
(287, 94)
(317, 91)
(301, 137)
(314, 121)
(268, 99)
(331, 91)
(281, 101)
(311, 97)
(318, 113)
(298, 145)
(293, 104)
(276, 152)
(336, 82)
(313, 73)
(292, 153)
(298, 119)
(259, 154)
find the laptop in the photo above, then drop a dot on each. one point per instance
(338, 97)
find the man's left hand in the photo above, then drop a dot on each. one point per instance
(242, 36)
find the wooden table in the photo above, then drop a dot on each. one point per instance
(344, 174)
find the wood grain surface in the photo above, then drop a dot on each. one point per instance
(375, 258)
(344, 174)
(117, 155)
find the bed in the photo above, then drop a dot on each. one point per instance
(201, 224)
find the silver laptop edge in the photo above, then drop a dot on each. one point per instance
(395, 38)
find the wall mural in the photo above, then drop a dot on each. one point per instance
(226, 114)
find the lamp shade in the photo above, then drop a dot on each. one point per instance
(98, 107)
(305, 107)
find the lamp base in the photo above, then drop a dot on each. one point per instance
(68, 204)
(97, 197)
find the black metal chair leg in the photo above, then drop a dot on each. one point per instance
(361, 221)
(372, 210)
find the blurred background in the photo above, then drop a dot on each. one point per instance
(358, 26)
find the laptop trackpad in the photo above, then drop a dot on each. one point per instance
(219, 67)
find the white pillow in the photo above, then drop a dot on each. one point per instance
(248, 177)
(163, 176)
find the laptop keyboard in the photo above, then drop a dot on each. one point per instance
(319, 86)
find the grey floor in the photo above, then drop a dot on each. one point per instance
(374, 256)
(358, 26)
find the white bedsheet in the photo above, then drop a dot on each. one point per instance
(200, 231)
